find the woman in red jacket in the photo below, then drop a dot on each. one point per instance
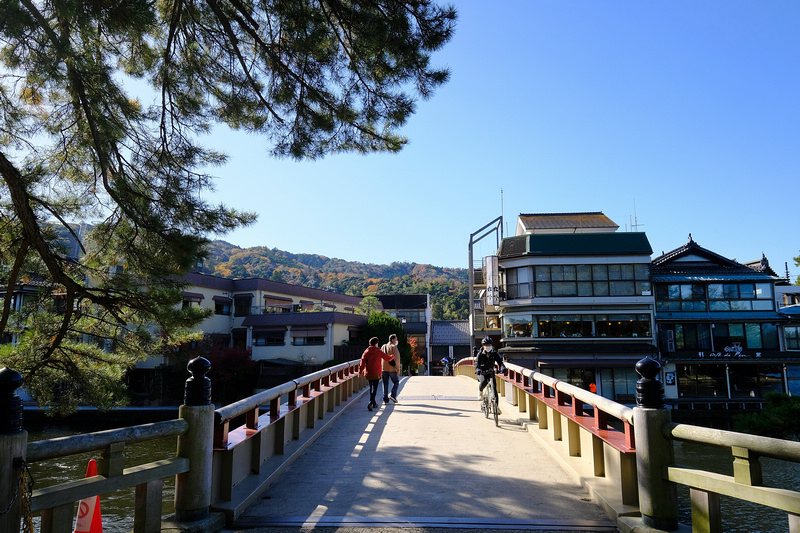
(372, 367)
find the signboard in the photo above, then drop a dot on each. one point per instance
(492, 280)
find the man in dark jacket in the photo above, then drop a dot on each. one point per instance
(485, 362)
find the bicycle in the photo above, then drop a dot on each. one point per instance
(489, 401)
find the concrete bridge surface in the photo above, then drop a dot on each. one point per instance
(431, 462)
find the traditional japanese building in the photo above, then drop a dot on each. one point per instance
(719, 329)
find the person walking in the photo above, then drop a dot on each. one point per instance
(371, 368)
(391, 369)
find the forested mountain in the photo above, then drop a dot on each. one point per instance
(448, 287)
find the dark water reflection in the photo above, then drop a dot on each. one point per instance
(738, 516)
(117, 507)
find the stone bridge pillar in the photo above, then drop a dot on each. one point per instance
(658, 500)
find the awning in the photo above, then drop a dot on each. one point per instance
(193, 296)
(243, 295)
(224, 299)
(277, 330)
(276, 300)
(589, 363)
(309, 332)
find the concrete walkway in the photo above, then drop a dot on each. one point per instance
(431, 461)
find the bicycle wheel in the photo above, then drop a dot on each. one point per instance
(494, 410)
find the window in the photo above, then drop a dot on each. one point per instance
(702, 381)
(269, 337)
(242, 306)
(222, 308)
(578, 280)
(308, 341)
(792, 334)
(622, 326)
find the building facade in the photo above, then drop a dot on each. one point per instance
(722, 335)
(576, 300)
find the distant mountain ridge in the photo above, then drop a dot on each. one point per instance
(448, 287)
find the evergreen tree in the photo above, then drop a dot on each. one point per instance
(103, 106)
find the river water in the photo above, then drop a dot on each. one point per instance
(117, 508)
(738, 516)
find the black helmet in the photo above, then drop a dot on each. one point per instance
(486, 340)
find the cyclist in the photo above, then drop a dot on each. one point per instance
(445, 366)
(485, 361)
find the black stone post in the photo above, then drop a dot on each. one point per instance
(13, 444)
(10, 403)
(649, 389)
(198, 386)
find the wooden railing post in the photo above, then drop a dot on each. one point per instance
(193, 488)
(13, 444)
(658, 498)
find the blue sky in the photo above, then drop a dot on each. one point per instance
(684, 115)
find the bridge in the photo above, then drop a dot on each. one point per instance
(308, 453)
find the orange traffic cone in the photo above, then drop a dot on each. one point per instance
(89, 519)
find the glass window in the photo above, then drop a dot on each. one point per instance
(642, 287)
(769, 336)
(584, 272)
(793, 377)
(599, 272)
(585, 288)
(702, 381)
(686, 292)
(770, 379)
(626, 271)
(747, 290)
(762, 305)
(544, 289)
(641, 271)
(622, 288)
(674, 292)
(753, 334)
(730, 290)
(542, 273)
(722, 305)
(518, 326)
(792, 334)
(764, 291)
(744, 381)
(600, 288)
(565, 288)
(614, 272)
(715, 291)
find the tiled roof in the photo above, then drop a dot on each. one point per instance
(450, 332)
(551, 221)
(693, 261)
(305, 319)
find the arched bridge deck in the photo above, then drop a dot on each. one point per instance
(432, 460)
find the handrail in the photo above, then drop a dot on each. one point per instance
(763, 446)
(89, 442)
(241, 407)
(611, 407)
(617, 410)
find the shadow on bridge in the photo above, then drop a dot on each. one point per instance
(433, 459)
